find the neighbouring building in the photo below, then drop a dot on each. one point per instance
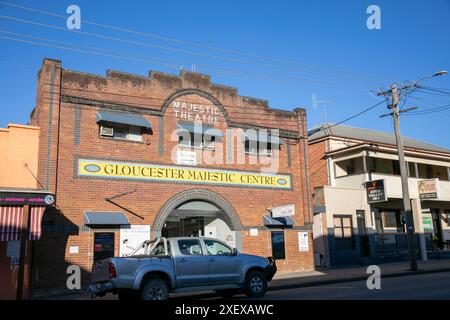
(22, 203)
(356, 185)
(129, 158)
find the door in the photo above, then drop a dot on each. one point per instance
(362, 231)
(437, 227)
(191, 265)
(223, 266)
(103, 245)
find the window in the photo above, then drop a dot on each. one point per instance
(121, 131)
(429, 171)
(190, 247)
(378, 221)
(372, 164)
(258, 148)
(159, 249)
(196, 140)
(390, 219)
(217, 248)
(278, 248)
(350, 167)
(343, 232)
(396, 167)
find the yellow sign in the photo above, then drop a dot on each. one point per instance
(151, 172)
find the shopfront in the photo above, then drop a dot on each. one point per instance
(169, 155)
(21, 216)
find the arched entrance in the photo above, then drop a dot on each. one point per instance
(199, 212)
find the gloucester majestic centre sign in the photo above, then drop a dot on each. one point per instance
(178, 174)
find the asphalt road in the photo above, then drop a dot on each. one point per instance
(426, 286)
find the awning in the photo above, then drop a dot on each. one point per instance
(123, 118)
(200, 129)
(278, 222)
(105, 218)
(36, 223)
(11, 218)
(254, 135)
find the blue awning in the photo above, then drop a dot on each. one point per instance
(199, 129)
(105, 218)
(278, 222)
(123, 118)
(254, 135)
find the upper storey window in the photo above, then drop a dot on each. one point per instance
(197, 135)
(122, 126)
(260, 143)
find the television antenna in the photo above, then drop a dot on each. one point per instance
(316, 104)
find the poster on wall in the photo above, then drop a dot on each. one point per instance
(230, 239)
(187, 157)
(131, 237)
(428, 189)
(287, 210)
(303, 243)
(427, 224)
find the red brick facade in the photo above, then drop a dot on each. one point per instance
(66, 106)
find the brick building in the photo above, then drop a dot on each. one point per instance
(129, 157)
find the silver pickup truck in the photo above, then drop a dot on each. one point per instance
(161, 266)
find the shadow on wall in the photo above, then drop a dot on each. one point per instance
(48, 273)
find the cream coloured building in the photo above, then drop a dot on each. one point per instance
(349, 227)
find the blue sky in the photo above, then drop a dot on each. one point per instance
(312, 47)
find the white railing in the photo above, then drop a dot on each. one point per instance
(393, 184)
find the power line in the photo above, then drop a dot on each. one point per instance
(236, 52)
(432, 110)
(326, 127)
(120, 55)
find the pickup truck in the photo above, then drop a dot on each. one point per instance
(163, 265)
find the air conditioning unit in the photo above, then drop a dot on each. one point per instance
(106, 131)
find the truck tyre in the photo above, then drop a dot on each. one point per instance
(154, 289)
(227, 293)
(255, 284)
(126, 294)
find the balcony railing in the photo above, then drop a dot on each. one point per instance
(393, 184)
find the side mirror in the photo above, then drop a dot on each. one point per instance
(234, 251)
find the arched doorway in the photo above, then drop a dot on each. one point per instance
(199, 212)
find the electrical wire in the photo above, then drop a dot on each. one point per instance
(120, 55)
(173, 40)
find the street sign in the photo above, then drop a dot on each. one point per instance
(376, 191)
(429, 189)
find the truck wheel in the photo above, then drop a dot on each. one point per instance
(255, 284)
(154, 289)
(125, 294)
(227, 293)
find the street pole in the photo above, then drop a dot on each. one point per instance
(404, 178)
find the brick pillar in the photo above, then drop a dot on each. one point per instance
(46, 115)
(304, 164)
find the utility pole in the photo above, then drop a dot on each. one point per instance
(404, 178)
(393, 93)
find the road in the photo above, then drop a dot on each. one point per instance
(426, 286)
